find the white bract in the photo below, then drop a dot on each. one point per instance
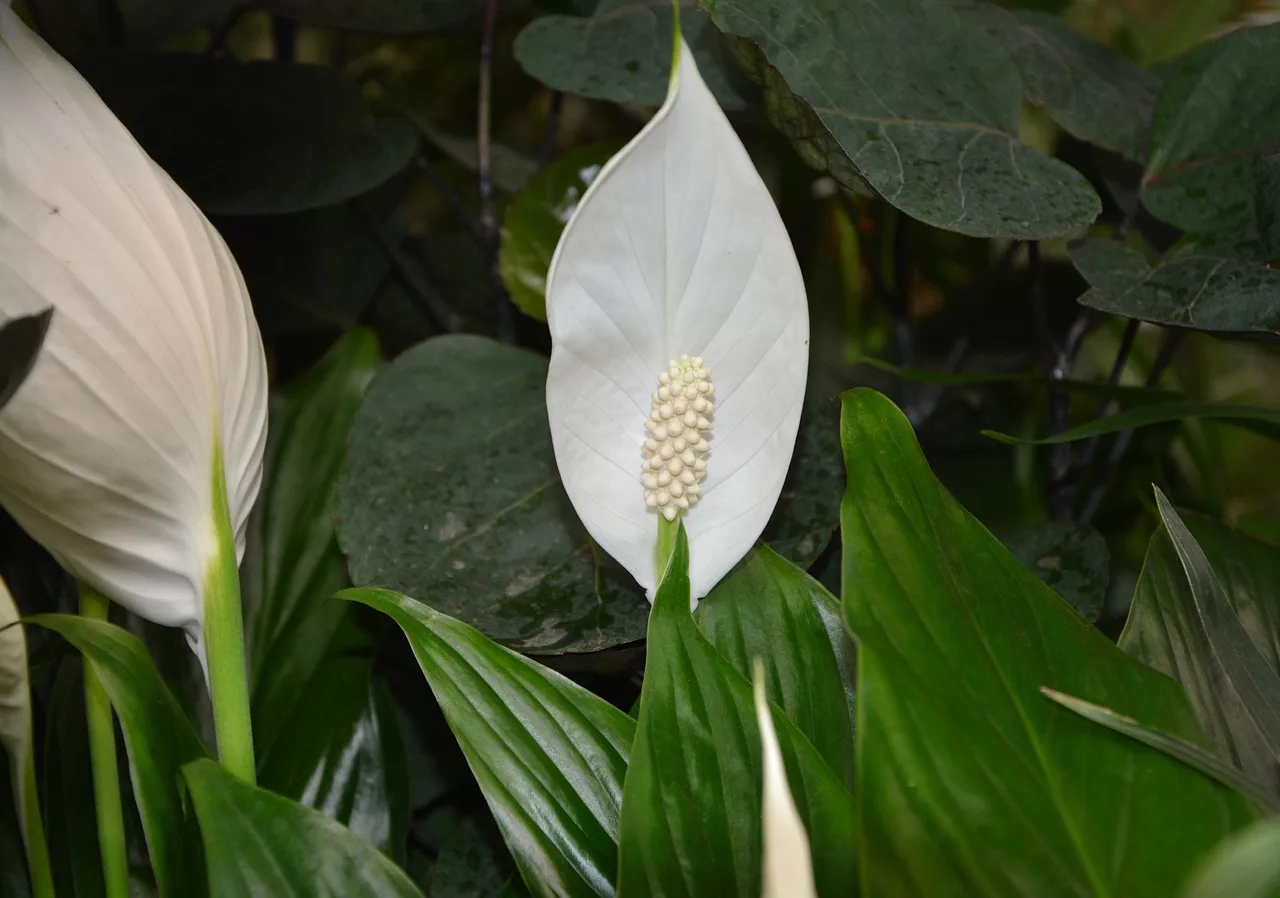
(788, 865)
(680, 335)
(152, 371)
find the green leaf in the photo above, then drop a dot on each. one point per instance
(1187, 752)
(808, 509)
(1267, 205)
(451, 491)
(379, 16)
(769, 609)
(1247, 865)
(1070, 558)
(921, 105)
(692, 802)
(256, 138)
(470, 865)
(20, 342)
(623, 52)
(159, 740)
(1156, 413)
(511, 169)
(1207, 290)
(13, 860)
(549, 756)
(535, 218)
(261, 844)
(1190, 626)
(955, 638)
(1218, 109)
(1089, 89)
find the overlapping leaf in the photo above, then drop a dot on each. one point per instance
(1070, 558)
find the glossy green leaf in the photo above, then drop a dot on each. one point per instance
(1247, 865)
(159, 740)
(622, 52)
(955, 638)
(451, 491)
(549, 756)
(20, 342)
(256, 138)
(691, 806)
(1180, 627)
(1213, 291)
(1187, 752)
(1218, 109)
(1156, 413)
(1089, 89)
(1070, 558)
(380, 16)
(917, 102)
(535, 218)
(258, 843)
(768, 609)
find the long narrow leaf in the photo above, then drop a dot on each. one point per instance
(1258, 419)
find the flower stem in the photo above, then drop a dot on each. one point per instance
(102, 758)
(667, 531)
(33, 828)
(224, 641)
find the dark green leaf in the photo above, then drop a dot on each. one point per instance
(1218, 109)
(1157, 413)
(1247, 865)
(261, 845)
(691, 806)
(955, 638)
(13, 860)
(1206, 290)
(1187, 752)
(1166, 630)
(808, 509)
(381, 16)
(770, 610)
(451, 491)
(257, 138)
(919, 104)
(1267, 205)
(20, 342)
(471, 866)
(535, 218)
(549, 756)
(1070, 558)
(159, 740)
(511, 169)
(623, 52)
(1089, 89)
(75, 27)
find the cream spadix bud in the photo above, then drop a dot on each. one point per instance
(137, 439)
(672, 453)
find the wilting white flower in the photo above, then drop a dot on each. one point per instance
(680, 335)
(788, 866)
(153, 367)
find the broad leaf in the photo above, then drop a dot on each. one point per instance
(20, 342)
(261, 844)
(1247, 865)
(1260, 418)
(955, 638)
(535, 218)
(253, 138)
(1089, 89)
(450, 491)
(769, 610)
(549, 756)
(1218, 109)
(921, 105)
(1165, 630)
(159, 740)
(1070, 558)
(691, 806)
(623, 52)
(380, 16)
(1206, 290)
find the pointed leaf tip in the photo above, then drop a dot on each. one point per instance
(788, 866)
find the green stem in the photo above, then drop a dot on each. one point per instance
(33, 826)
(224, 641)
(102, 758)
(667, 531)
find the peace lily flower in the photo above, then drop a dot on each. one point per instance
(788, 865)
(680, 336)
(133, 451)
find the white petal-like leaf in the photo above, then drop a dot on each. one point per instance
(152, 365)
(788, 864)
(677, 248)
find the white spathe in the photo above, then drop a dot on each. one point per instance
(788, 864)
(153, 359)
(676, 249)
